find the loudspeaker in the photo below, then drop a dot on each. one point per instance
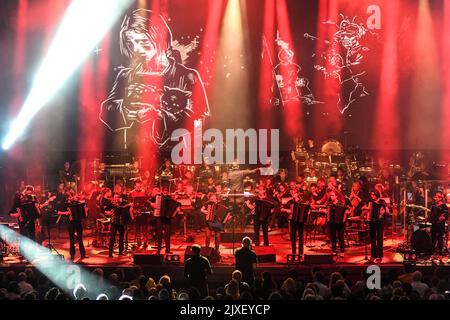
(265, 254)
(147, 259)
(211, 253)
(322, 258)
(227, 237)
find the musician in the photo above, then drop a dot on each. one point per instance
(163, 219)
(236, 177)
(387, 180)
(27, 211)
(210, 187)
(375, 217)
(200, 198)
(357, 199)
(336, 217)
(122, 216)
(280, 200)
(438, 216)
(66, 176)
(77, 213)
(318, 192)
(166, 172)
(301, 184)
(297, 210)
(342, 179)
(263, 209)
(281, 178)
(138, 190)
(214, 220)
(205, 172)
(105, 203)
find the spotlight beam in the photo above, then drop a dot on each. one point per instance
(63, 274)
(84, 25)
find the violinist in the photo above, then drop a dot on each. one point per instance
(27, 211)
(77, 212)
(281, 198)
(319, 192)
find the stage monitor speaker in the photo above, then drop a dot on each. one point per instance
(323, 258)
(227, 237)
(265, 254)
(211, 253)
(147, 259)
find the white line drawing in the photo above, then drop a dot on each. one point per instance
(344, 52)
(156, 89)
(289, 84)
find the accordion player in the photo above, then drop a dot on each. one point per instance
(375, 219)
(298, 212)
(216, 215)
(121, 217)
(164, 209)
(336, 217)
(263, 210)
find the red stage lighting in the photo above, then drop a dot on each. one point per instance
(386, 129)
(266, 74)
(292, 109)
(327, 123)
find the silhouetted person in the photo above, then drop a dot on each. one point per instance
(196, 269)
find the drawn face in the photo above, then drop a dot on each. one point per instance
(141, 45)
(349, 34)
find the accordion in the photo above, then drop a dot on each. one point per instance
(121, 215)
(300, 212)
(166, 207)
(336, 213)
(374, 213)
(216, 215)
(77, 211)
(263, 209)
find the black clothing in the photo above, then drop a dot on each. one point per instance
(438, 227)
(261, 220)
(75, 226)
(376, 238)
(196, 270)
(245, 258)
(376, 227)
(120, 219)
(336, 224)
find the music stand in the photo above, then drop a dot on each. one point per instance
(366, 240)
(50, 247)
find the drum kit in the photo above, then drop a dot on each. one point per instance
(330, 158)
(419, 233)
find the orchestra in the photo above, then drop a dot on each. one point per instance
(209, 199)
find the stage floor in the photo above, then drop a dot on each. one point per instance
(353, 262)
(355, 253)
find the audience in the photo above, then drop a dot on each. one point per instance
(336, 285)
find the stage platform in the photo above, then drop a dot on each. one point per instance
(353, 262)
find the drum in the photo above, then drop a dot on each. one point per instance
(332, 147)
(421, 242)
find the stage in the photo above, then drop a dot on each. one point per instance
(353, 262)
